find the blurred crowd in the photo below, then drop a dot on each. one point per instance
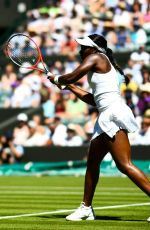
(65, 120)
(55, 25)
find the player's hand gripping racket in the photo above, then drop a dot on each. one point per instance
(24, 52)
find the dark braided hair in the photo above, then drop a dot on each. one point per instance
(101, 42)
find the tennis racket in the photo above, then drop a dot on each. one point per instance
(24, 52)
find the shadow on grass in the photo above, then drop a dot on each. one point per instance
(98, 218)
(117, 218)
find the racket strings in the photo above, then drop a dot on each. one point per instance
(22, 50)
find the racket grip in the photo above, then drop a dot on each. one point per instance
(63, 86)
(49, 74)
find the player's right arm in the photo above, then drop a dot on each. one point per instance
(86, 66)
(82, 94)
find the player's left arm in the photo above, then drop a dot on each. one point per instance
(82, 94)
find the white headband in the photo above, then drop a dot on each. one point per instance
(86, 41)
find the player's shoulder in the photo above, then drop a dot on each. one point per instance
(98, 55)
(94, 56)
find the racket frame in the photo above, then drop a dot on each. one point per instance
(40, 59)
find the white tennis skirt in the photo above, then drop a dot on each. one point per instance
(111, 120)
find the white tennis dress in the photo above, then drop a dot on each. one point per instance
(114, 114)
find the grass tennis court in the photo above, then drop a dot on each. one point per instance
(47, 200)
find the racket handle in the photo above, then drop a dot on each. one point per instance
(49, 74)
(63, 86)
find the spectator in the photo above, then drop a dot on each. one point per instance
(132, 85)
(146, 23)
(21, 95)
(122, 17)
(5, 92)
(129, 92)
(128, 95)
(7, 85)
(69, 46)
(58, 99)
(96, 27)
(59, 131)
(21, 132)
(37, 119)
(48, 105)
(147, 113)
(76, 110)
(143, 136)
(9, 152)
(141, 56)
(145, 74)
(71, 63)
(35, 98)
(39, 136)
(144, 99)
(110, 34)
(72, 138)
(137, 15)
(122, 36)
(139, 36)
(58, 67)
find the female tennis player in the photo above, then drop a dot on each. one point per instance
(115, 118)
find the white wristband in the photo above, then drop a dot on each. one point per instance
(57, 83)
(56, 78)
(49, 74)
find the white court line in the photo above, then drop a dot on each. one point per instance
(55, 187)
(11, 192)
(64, 211)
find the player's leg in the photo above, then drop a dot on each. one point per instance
(121, 152)
(96, 153)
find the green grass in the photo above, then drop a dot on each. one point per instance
(26, 195)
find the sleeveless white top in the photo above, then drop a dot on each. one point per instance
(114, 113)
(105, 88)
